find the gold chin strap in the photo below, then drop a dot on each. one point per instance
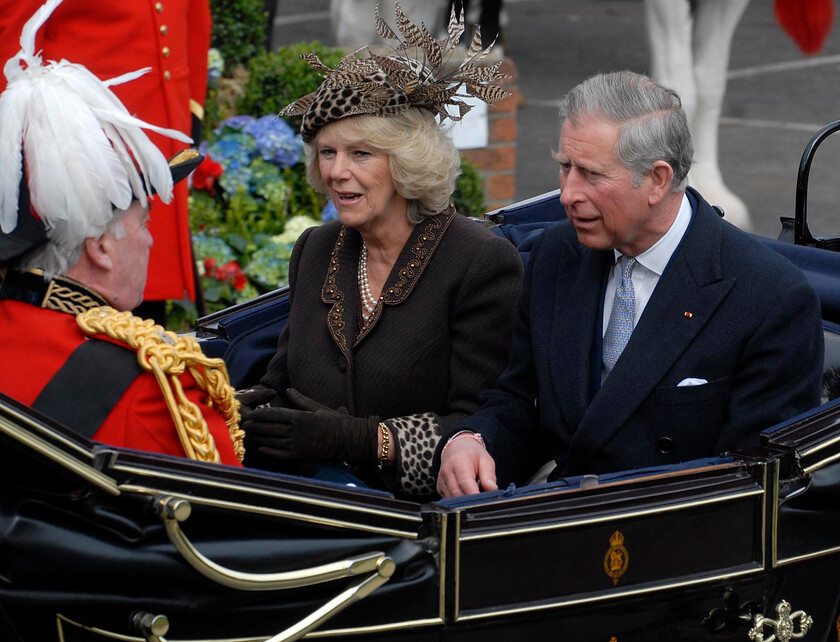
(167, 356)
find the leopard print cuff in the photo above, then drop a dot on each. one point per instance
(418, 437)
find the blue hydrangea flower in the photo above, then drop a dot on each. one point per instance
(234, 150)
(268, 123)
(275, 140)
(237, 178)
(329, 213)
(235, 122)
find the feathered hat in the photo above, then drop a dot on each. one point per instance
(417, 74)
(69, 150)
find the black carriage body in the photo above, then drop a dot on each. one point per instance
(100, 543)
(688, 553)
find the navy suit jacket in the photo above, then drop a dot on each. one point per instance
(727, 309)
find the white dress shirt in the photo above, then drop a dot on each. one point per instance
(650, 265)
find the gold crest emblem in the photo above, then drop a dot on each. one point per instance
(617, 558)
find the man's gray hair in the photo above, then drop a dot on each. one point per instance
(56, 257)
(653, 124)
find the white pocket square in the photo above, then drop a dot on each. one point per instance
(691, 381)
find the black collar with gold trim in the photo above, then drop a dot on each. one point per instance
(59, 293)
(341, 283)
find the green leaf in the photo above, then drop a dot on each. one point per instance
(237, 242)
(238, 30)
(213, 289)
(281, 77)
(469, 191)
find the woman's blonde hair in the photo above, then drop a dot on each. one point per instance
(424, 161)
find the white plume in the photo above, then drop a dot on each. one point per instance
(27, 36)
(84, 152)
(13, 104)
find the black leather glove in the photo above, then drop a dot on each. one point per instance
(313, 433)
(250, 398)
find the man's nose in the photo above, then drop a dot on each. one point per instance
(569, 186)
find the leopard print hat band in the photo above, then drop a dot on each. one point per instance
(418, 74)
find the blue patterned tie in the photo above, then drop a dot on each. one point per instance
(620, 326)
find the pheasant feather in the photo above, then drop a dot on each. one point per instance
(417, 74)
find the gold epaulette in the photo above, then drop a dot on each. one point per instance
(167, 356)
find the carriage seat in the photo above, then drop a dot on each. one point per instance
(246, 336)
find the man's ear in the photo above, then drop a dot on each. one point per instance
(660, 181)
(99, 251)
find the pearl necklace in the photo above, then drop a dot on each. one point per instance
(368, 302)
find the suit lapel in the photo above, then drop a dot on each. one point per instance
(686, 297)
(575, 315)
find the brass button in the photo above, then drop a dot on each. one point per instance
(165, 52)
(166, 75)
(163, 30)
(159, 7)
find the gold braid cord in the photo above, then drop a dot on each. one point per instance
(167, 356)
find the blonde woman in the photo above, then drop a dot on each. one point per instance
(401, 310)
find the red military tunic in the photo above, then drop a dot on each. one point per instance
(110, 39)
(39, 341)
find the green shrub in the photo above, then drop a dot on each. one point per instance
(238, 30)
(469, 191)
(280, 77)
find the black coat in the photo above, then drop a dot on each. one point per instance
(727, 309)
(441, 337)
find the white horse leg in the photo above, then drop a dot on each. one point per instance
(669, 34)
(714, 25)
(353, 25)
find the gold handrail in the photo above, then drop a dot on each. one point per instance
(385, 569)
(174, 510)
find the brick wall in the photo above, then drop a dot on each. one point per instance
(497, 161)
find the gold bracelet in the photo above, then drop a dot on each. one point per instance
(386, 444)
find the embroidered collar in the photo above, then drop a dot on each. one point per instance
(59, 293)
(341, 275)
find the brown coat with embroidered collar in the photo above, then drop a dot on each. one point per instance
(440, 337)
